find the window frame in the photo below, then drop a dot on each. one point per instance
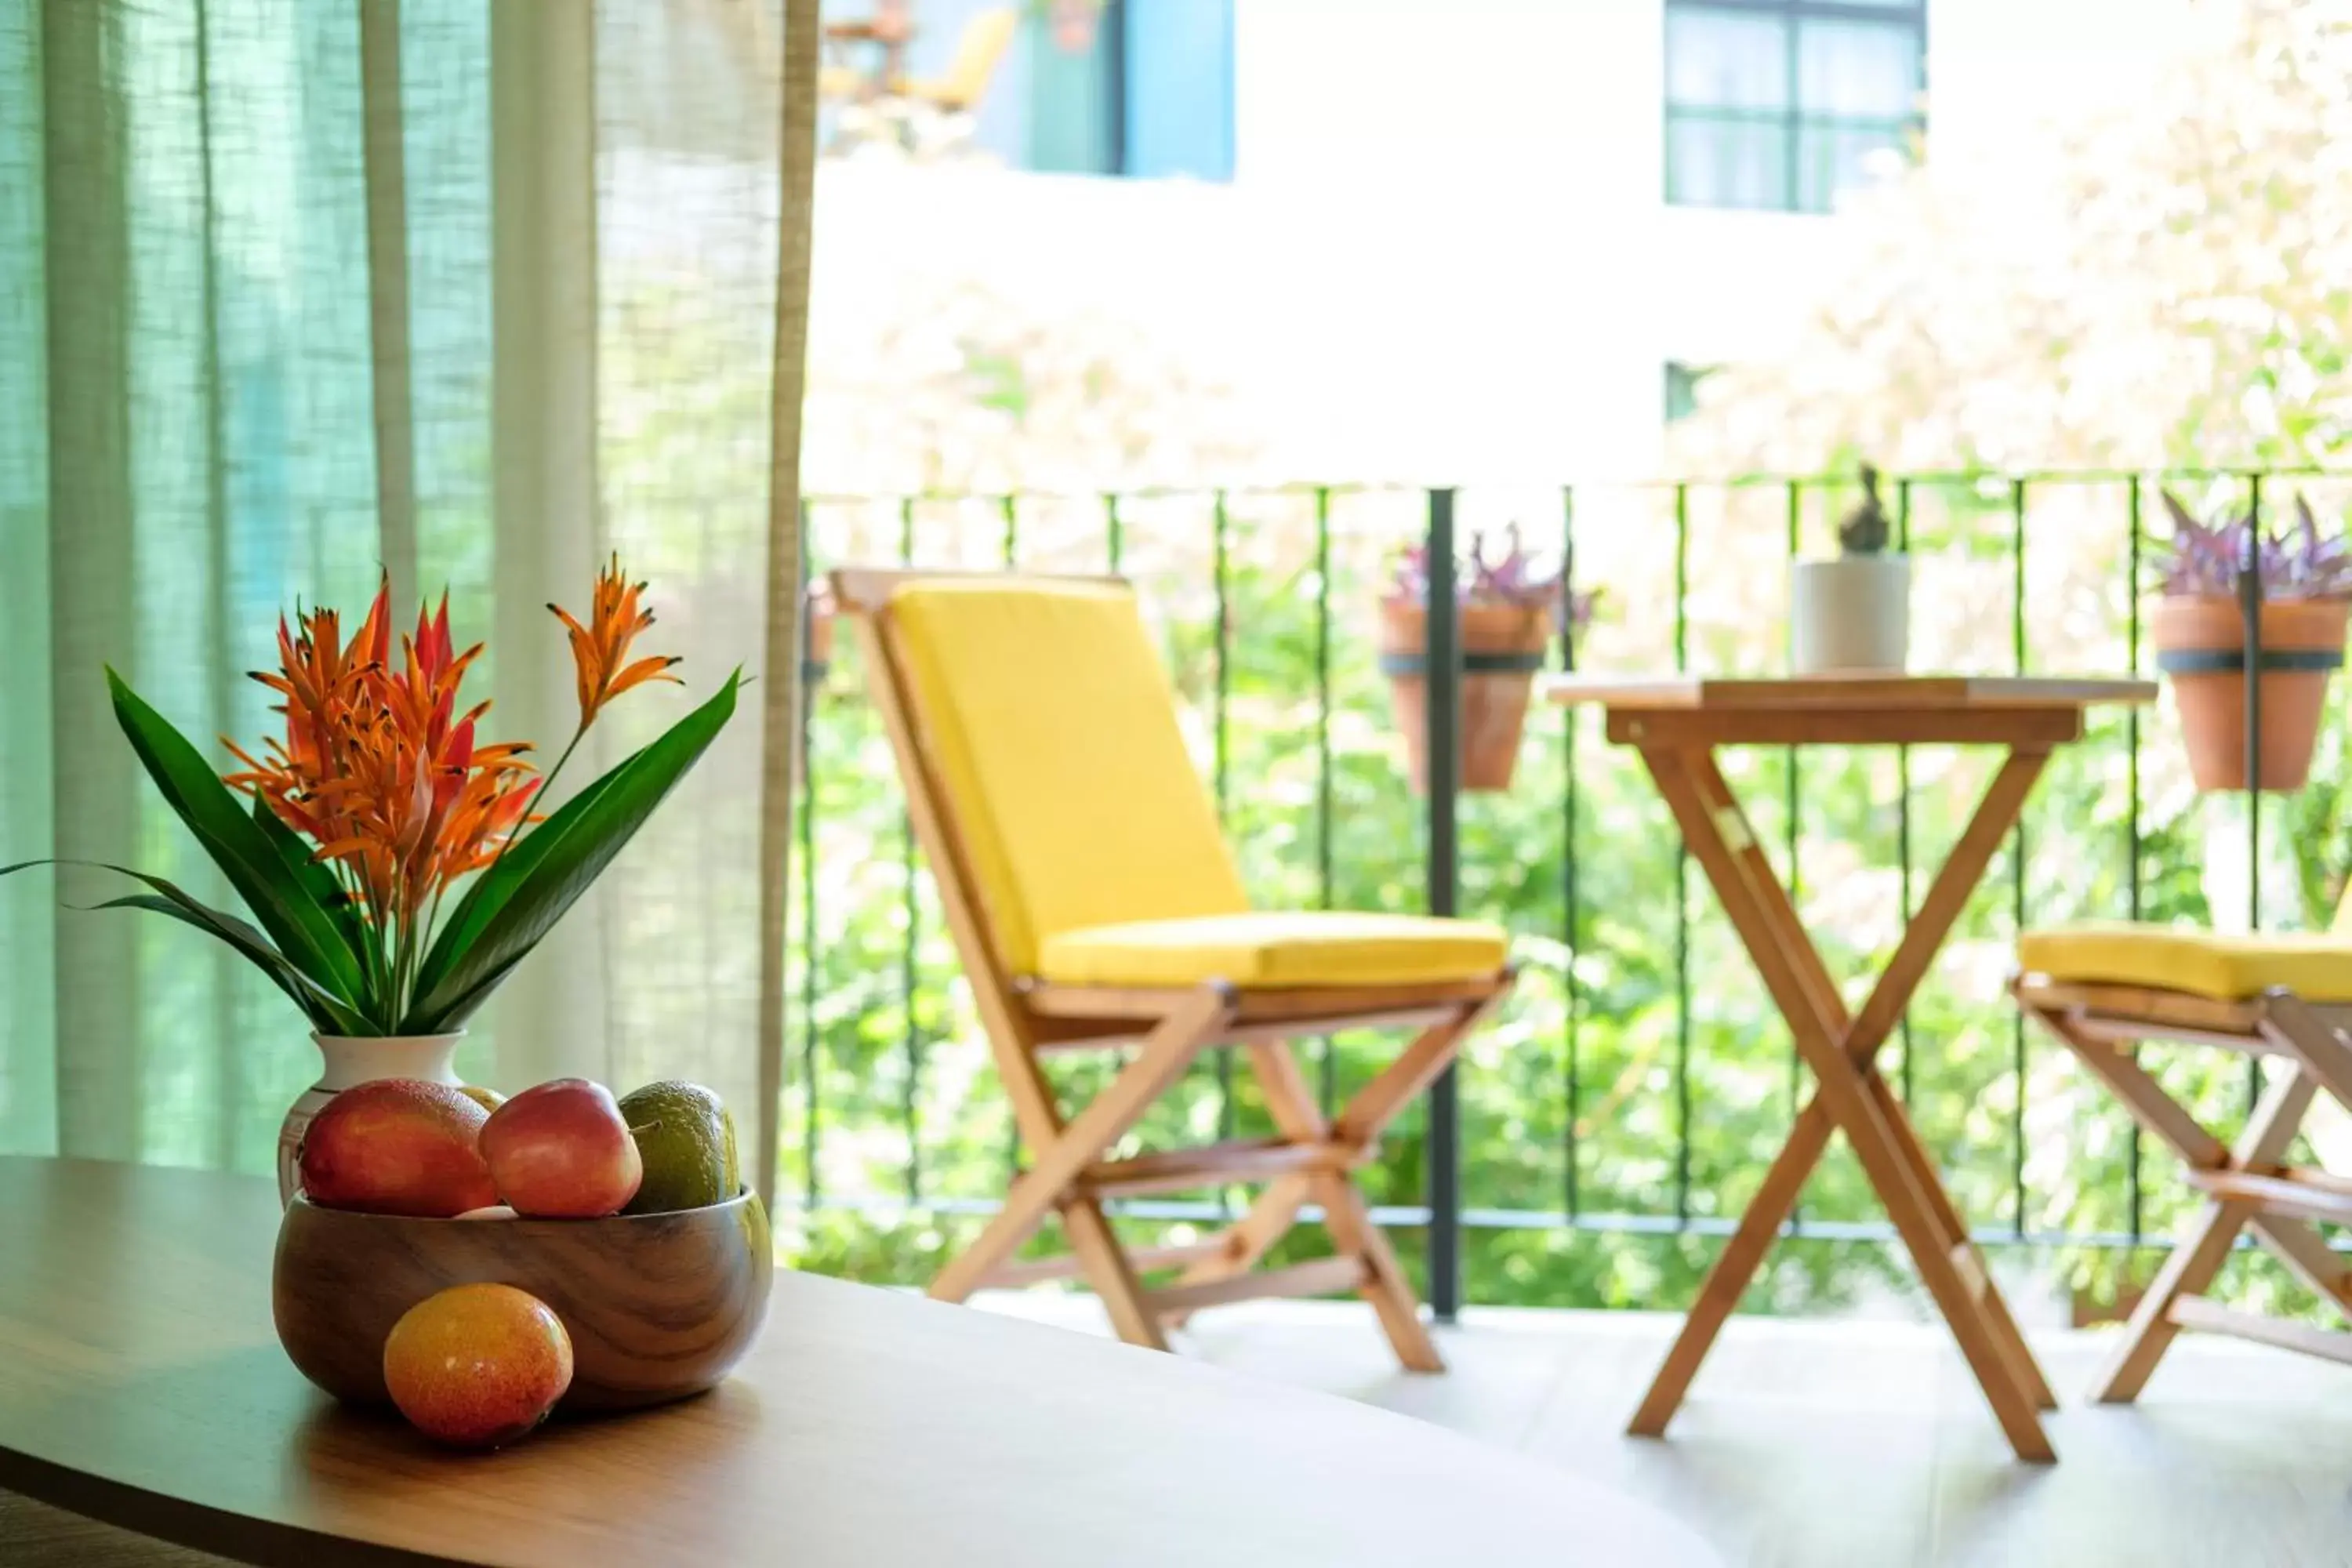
(1796, 118)
(1680, 380)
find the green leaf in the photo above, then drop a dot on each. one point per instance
(517, 901)
(266, 959)
(492, 889)
(286, 904)
(359, 936)
(328, 1014)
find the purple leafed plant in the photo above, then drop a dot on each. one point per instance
(2205, 558)
(1514, 578)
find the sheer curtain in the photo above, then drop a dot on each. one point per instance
(265, 332)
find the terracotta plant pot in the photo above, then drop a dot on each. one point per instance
(2200, 647)
(1502, 647)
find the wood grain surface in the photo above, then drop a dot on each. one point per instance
(658, 1306)
(141, 1383)
(1676, 692)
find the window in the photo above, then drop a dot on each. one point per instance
(1682, 389)
(1781, 104)
(1133, 87)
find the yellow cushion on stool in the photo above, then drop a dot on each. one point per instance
(1273, 950)
(2315, 966)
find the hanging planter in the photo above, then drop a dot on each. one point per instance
(2199, 627)
(1508, 613)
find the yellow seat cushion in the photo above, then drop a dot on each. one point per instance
(2315, 966)
(1052, 728)
(1268, 952)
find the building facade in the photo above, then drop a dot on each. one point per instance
(1496, 238)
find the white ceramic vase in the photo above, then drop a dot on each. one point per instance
(1851, 615)
(356, 1060)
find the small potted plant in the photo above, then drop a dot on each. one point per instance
(1508, 612)
(2198, 624)
(1853, 614)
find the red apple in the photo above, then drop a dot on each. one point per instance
(560, 1150)
(398, 1145)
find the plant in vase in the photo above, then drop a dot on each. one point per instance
(392, 861)
(1852, 615)
(2198, 624)
(1507, 611)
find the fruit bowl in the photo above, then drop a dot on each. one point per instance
(658, 1306)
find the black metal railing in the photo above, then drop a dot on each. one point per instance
(1648, 1044)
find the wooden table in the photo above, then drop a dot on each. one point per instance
(141, 1383)
(1677, 723)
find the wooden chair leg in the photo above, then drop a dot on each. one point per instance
(2199, 1256)
(1385, 1287)
(1353, 1231)
(1167, 1051)
(1379, 1102)
(1269, 1218)
(2189, 1270)
(2288, 1021)
(1253, 1236)
(2292, 1242)
(1107, 1267)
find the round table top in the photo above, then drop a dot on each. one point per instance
(141, 1383)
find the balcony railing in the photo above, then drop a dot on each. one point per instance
(1634, 1092)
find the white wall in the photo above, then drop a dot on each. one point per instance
(2002, 71)
(1516, 146)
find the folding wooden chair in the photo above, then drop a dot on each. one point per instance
(1094, 903)
(2103, 990)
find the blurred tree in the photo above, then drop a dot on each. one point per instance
(2165, 285)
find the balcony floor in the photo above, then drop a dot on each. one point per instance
(1853, 1444)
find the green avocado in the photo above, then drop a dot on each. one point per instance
(686, 1141)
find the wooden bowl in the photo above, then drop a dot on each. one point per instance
(658, 1306)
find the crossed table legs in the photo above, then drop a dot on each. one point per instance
(1842, 1051)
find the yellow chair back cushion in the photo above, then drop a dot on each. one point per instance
(1051, 730)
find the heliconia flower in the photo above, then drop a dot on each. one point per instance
(600, 649)
(378, 767)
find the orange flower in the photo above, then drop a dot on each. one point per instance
(378, 767)
(600, 650)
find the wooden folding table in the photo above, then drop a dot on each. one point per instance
(1677, 723)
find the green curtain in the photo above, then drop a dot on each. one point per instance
(263, 331)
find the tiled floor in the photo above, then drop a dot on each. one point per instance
(1856, 1444)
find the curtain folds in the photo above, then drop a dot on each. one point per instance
(293, 292)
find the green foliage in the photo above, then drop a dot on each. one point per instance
(317, 948)
(314, 942)
(1640, 1064)
(517, 901)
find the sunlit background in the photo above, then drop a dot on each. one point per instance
(1212, 291)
